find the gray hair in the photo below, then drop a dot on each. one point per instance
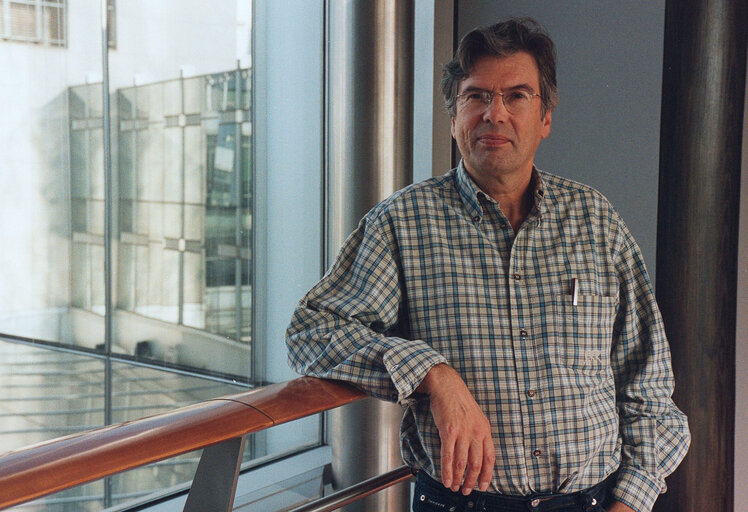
(501, 40)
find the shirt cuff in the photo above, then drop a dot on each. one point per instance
(637, 489)
(408, 363)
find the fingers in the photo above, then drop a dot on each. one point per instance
(466, 462)
(475, 465)
(462, 447)
(489, 459)
(448, 446)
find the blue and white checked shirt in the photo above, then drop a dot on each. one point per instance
(436, 274)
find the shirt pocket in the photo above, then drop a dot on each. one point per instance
(582, 335)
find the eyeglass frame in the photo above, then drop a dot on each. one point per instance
(492, 94)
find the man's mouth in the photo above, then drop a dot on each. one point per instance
(493, 139)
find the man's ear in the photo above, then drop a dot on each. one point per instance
(452, 128)
(546, 129)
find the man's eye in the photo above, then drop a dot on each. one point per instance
(476, 96)
(517, 96)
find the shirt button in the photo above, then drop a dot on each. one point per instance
(537, 453)
(517, 277)
(531, 393)
(534, 503)
(476, 219)
(523, 332)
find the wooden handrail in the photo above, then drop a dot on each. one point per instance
(52, 466)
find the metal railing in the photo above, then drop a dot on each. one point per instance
(219, 426)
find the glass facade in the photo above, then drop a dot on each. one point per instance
(185, 202)
(200, 278)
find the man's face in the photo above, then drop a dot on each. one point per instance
(492, 141)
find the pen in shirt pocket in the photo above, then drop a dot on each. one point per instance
(574, 291)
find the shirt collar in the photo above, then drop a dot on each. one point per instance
(469, 193)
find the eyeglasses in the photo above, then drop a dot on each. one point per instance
(516, 101)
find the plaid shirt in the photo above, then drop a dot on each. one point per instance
(436, 274)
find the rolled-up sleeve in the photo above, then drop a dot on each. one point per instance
(346, 326)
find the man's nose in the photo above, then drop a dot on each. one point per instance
(495, 111)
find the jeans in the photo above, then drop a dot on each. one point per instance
(432, 496)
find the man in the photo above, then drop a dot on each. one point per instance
(507, 309)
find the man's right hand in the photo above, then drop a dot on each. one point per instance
(467, 451)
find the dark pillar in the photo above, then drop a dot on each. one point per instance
(697, 236)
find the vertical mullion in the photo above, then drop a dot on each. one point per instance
(107, 234)
(238, 210)
(182, 245)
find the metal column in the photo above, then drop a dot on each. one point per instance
(697, 236)
(369, 156)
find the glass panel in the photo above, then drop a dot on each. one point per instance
(183, 213)
(125, 103)
(168, 308)
(172, 221)
(96, 162)
(126, 274)
(172, 161)
(194, 313)
(46, 394)
(96, 216)
(193, 95)
(81, 283)
(172, 97)
(194, 165)
(152, 171)
(79, 163)
(96, 254)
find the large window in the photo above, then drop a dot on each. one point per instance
(160, 259)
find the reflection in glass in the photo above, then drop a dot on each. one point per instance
(185, 193)
(181, 205)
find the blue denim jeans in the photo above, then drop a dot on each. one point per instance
(432, 496)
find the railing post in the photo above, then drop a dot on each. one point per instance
(214, 485)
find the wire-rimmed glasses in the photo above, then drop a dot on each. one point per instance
(515, 101)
